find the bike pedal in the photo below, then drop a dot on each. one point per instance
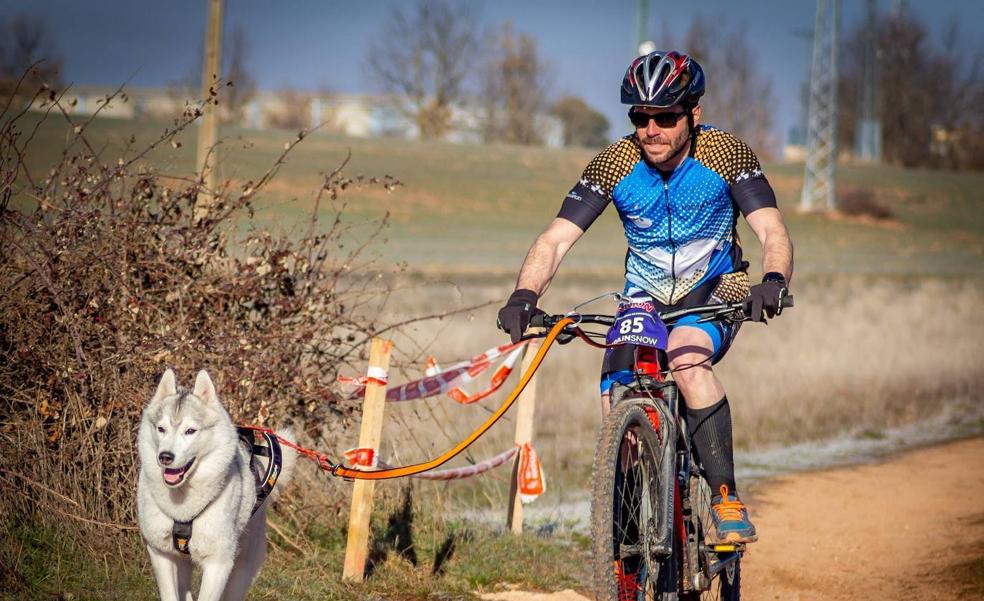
(724, 548)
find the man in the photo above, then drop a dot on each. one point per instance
(678, 187)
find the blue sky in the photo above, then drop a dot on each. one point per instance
(312, 44)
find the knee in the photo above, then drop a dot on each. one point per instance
(688, 372)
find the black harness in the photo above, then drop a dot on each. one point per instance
(259, 443)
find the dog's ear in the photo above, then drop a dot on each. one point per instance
(166, 387)
(204, 389)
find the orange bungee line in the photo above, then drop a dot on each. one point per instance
(409, 470)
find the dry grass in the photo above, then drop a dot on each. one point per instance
(856, 354)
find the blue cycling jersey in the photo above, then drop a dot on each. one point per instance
(680, 226)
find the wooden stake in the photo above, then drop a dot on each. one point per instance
(526, 407)
(209, 126)
(357, 548)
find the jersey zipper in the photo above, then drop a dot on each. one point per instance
(669, 233)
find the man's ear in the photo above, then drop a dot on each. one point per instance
(204, 389)
(696, 112)
(166, 387)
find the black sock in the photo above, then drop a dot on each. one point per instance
(710, 435)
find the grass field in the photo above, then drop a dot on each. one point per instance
(886, 329)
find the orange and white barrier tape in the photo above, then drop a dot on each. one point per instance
(448, 380)
(531, 482)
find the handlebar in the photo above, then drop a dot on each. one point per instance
(730, 312)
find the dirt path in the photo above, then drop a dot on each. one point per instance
(892, 530)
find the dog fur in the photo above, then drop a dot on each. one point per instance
(193, 466)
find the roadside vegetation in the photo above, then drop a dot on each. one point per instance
(885, 332)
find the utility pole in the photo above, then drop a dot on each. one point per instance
(867, 142)
(821, 149)
(208, 128)
(643, 45)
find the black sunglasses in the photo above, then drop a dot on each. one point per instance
(663, 120)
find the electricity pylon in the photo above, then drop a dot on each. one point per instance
(867, 143)
(821, 144)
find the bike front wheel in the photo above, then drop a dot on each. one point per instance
(624, 505)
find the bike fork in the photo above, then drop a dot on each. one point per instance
(663, 545)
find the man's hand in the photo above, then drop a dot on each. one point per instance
(765, 299)
(515, 317)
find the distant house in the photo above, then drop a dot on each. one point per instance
(354, 115)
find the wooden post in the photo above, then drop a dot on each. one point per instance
(357, 548)
(208, 128)
(526, 407)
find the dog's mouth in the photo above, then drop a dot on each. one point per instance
(173, 476)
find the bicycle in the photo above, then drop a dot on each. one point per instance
(650, 504)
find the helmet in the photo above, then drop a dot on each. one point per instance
(662, 79)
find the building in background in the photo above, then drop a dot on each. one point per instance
(352, 115)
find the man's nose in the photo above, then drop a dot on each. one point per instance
(166, 458)
(651, 130)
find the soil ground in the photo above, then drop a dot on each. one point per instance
(909, 527)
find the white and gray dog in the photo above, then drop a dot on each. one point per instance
(196, 471)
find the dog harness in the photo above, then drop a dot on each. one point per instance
(181, 531)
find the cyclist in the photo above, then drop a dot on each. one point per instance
(677, 186)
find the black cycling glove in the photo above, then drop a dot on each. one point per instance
(515, 317)
(765, 299)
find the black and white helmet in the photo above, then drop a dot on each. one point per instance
(663, 79)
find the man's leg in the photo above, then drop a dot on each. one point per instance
(690, 351)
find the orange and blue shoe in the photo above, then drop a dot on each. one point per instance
(731, 521)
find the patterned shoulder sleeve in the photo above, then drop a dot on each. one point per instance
(735, 162)
(592, 193)
(725, 154)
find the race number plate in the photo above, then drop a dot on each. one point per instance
(637, 322)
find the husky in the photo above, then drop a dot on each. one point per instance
(196, 472)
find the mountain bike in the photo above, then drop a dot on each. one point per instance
(650, 503)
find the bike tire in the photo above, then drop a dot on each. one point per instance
(624, 497)
(725, 585)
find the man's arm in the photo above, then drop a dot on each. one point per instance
(546, 254)
(777, 248)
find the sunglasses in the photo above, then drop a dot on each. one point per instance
(663, 120)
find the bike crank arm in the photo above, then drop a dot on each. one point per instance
(722, 563)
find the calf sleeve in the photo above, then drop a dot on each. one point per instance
(710, 435)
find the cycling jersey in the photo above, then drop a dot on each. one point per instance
(680, 226)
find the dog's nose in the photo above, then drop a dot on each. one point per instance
(165, 458)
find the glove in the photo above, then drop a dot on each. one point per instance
(765, 299)
(515, 316)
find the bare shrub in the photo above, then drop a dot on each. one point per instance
(108, 278)
(861, 202)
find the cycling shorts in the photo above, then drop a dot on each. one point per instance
(619, 361)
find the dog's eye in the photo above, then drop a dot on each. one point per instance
(160, 429)
(190, 431)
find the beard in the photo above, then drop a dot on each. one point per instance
(662, 148)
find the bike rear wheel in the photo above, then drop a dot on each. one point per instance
(724, 583)
(624, 505)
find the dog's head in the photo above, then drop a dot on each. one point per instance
(180, 427)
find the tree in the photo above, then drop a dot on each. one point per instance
(242, 87)
(583, 126)
(423, 59)
(26, 50)
(928, 97)
(513, 88)
(739, 96)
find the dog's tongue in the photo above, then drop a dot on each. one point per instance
(173, 475)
